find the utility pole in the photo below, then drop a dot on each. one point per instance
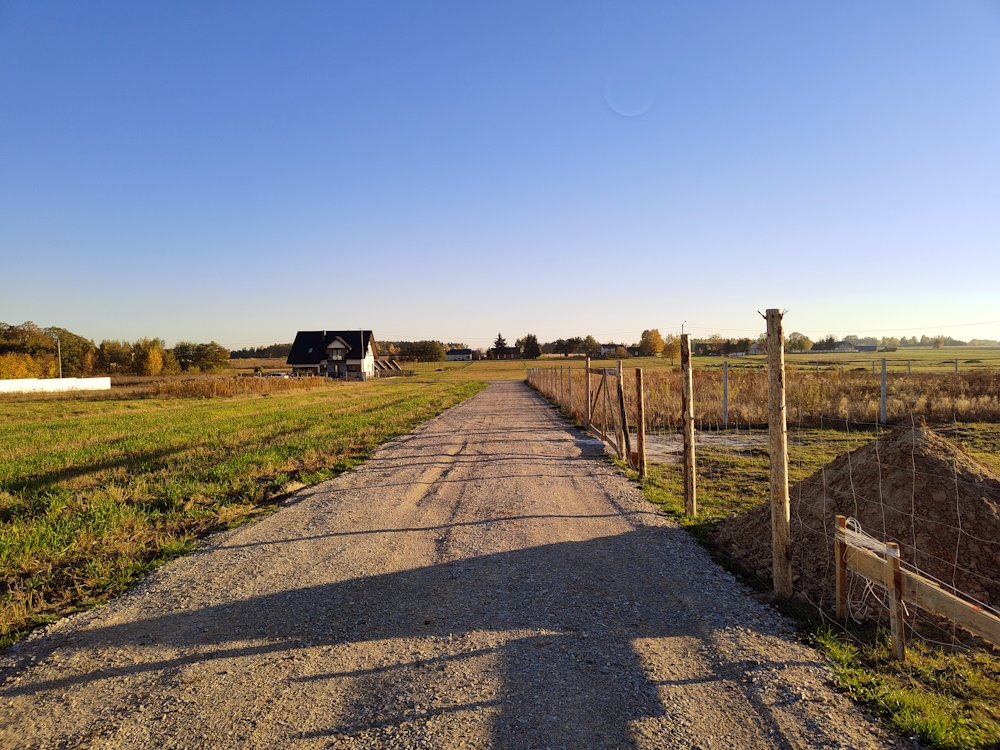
(58, 353)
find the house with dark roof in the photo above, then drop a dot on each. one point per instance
(347, 355)
(507, 352)
(458, 355)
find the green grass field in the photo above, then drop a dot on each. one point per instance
(918, 360)
(95, 491)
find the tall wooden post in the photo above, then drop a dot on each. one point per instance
(587, 373)
(882, 398)
(909, 367)
(640, 419)
(624, 436)
(725, 393)
(687, 415)
(569, 389)
(956, 365)
(562, 386)
(777, 430)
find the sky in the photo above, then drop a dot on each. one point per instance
(449, 170)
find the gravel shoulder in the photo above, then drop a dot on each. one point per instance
(485, 581)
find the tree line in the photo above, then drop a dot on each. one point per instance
(270, 351)
(30, 351)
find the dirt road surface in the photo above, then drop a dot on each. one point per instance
(486, 581)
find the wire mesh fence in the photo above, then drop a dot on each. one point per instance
(925, 477)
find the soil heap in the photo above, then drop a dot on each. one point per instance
(913, 487)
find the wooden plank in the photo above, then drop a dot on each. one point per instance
(917, 590)
(894, 591)
(586, 371)
(866, 563)
(687, 415)
(781, 549)
(927, 595)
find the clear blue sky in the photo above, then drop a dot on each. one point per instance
(238, 171)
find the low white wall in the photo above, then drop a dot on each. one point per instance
(54, 385)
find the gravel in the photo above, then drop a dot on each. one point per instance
(486, 581)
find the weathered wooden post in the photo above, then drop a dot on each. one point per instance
(569, 389)
(587, 373)
(882, 399)
(956, 365)
(624, 436)
(840, 553)
(909, 367)
(894, 592)
(687, 415)
(781, 550)
(725, 393)
(640, 422)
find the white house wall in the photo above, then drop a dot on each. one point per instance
(54, 385)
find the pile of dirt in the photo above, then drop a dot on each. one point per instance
(913, 487)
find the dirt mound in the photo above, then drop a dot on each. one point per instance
(913, 487)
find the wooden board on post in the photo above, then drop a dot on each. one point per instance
(687, 415)
(781, 550)
(586, 372)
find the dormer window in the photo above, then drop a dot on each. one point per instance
(336, 350)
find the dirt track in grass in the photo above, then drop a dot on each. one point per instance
(486, 581)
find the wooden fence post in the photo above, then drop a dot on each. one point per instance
(625, 439)
(587, 371)
(687, 415)
(725, 393)
(882, 399)
(569, 389)
(640, 419)
(840, 553)
(777, 430)
(894, 591)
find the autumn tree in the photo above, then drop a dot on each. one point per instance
(147, 356)
(798, 342)
(671, 347)
(651, 342)
(115, 357)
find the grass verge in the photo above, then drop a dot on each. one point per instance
(94, 493)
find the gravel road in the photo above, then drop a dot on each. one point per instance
(485, 581)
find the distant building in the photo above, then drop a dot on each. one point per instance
(866, 347)
(347, 355)
(844, 347)
(608, 350)
(506, 352)
(755, 348)
(458, 355)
